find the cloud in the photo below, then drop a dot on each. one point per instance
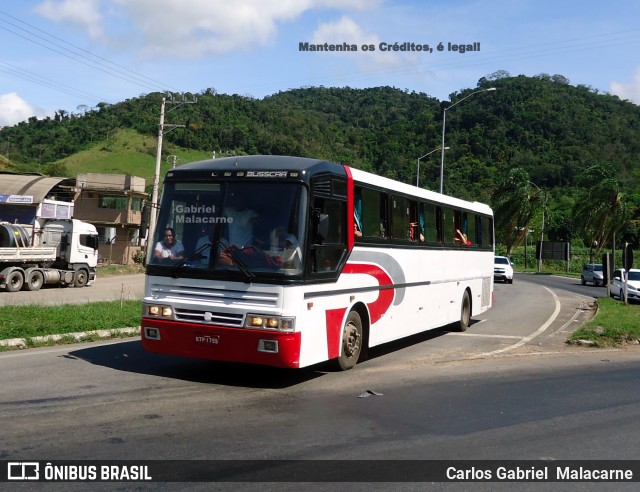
(84, 14)
(14, 109)
(630, 91)
(345, 30)
(373, 61)
(189, 29)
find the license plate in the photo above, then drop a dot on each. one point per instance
(207, 339)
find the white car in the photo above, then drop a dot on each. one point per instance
(503, 269)
(616, 286)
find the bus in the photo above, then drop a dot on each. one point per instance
(288, 262)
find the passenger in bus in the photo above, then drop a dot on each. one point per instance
(461, 238)
(284, 249)
(170, 248)
(357, 223)
(291, 254)
(240, 223)
(414, 228)
(277, 238)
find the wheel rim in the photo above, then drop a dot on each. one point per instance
(351, 340)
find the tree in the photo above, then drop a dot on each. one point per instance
(601, 212)
(515, 202)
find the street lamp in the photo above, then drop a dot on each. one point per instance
(444, 121)
(422, 157)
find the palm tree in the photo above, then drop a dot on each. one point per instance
(601, 211)
(515, 202)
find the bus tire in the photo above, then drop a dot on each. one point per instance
(465, 313)
(33, 279)
(14, 281)
(351, 343)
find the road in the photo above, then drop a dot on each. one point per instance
(564, 283)
(104, 289)
(508, 388)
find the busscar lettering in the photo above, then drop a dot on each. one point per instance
(266, 174)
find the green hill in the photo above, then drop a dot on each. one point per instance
(550, 129)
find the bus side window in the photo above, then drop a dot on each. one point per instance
(328, 234)
(448, 225)
(415, 231)
(471, 228)
(357, 212)
(430, 223)
(374, 214)
(401, 223)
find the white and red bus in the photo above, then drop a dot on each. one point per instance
(289, 262)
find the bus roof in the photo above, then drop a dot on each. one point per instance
(414, 191)
(314, 166)
(261, 163)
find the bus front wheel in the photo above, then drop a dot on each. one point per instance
(351, 345)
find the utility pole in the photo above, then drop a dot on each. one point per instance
(153, 216)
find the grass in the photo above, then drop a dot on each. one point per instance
(614, 325)
(36, 321)
(127, 152)
(112, 270)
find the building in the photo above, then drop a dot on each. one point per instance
(23, 197)
(113, 203)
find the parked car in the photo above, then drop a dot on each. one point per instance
(503, 269)
(593, 273)
(616, 286)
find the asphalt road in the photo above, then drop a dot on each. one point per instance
(507, 389)
(104, 289)
(568, 284)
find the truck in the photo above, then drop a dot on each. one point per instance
(50, 251)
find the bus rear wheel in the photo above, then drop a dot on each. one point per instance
(465, 313)
(351, 344)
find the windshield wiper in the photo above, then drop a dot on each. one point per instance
(237, 261)
(196, 255)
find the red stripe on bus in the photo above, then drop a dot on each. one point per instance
(334, 319)
(350, 211)
(377, 308)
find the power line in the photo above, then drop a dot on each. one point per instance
(78, 55)
(123, 70)
(46, 82)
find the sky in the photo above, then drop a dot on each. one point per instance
(72, 55)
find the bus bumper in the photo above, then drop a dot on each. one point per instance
(221, 343)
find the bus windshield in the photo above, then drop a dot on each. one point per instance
(253, 228)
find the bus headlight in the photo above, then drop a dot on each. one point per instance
(280, 323)
(159, 311)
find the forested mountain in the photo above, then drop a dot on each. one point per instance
(550, 129)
